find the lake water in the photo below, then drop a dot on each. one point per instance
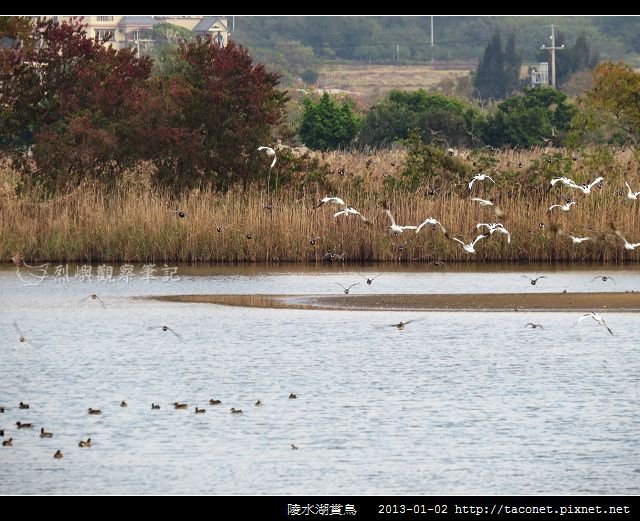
(456, 403)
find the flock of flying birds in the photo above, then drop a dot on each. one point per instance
(347, 210)
(488, 229)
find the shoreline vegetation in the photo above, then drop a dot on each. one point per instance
(136, 223)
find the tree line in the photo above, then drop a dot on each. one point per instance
(73, 109)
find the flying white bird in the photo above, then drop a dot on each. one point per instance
(482, 202)
(485, 202)
(595, 316)
(495, 227)
(564, 180)
(469, 248)
(271, 153)
(480, 177)
(433, 222)
(586, 188)
(627, 244)
(630, 193)
(564, 207)
(395, 228)
(335, 200)
(350, 210)
(574, 239)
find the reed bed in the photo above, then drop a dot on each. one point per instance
(136, 224)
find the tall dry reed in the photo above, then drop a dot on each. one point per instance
(140, 225)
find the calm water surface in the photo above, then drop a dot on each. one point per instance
(456, 403)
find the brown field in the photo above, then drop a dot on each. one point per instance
(369, 81)
(139, 224)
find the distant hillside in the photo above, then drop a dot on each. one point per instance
(455, 37)
(291, 44)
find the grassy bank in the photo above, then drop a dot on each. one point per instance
(136, 224)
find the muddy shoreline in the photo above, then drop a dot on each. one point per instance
(628, 301)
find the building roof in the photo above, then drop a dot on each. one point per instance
(138, 20)
(206, 23)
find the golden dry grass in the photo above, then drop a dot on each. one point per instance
(136, 224)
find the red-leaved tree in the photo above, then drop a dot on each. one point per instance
(217, 109)
(65, 105)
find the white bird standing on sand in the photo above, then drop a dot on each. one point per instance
(630, 193)
(480, 177)
(595, 316)
(564, 207)
(396, 229)
(271, 153)
(469, 248)
(431, 221)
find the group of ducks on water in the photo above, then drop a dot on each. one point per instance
(43, 433)
(96, 412)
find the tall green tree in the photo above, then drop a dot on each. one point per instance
(512, 63)
(490, 76)
(437, 119)
(327, 125)
(526, 120)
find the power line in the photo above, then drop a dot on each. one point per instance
(553, 50)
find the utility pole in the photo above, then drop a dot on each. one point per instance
(553, 50)
(431, 38)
